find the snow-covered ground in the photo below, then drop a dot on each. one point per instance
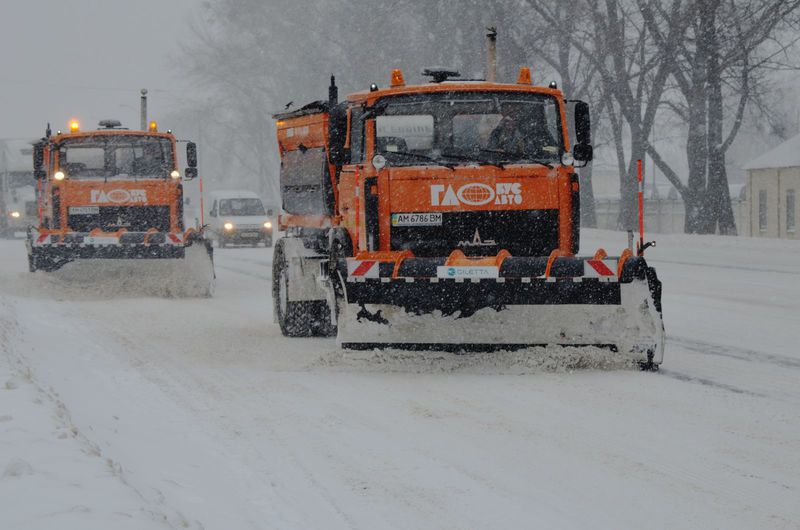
(119, 409)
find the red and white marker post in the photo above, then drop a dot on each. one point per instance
(640, 178)
(642, 246)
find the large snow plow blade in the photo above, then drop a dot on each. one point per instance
(425, 304)
(171, 264)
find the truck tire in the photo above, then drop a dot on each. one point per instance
(336, 251)
(296, 319)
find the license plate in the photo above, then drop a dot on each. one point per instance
(250, 234)
(84, 210)
(417, 219)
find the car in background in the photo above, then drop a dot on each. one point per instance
(238, 217)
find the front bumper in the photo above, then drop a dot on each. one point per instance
(52, 251)
(412, 308)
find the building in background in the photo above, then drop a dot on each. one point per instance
(773, 181)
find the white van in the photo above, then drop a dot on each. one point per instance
(238, 217)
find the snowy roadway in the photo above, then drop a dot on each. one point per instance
(123, 410)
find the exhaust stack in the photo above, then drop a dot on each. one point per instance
(491, 54)
(333, 93)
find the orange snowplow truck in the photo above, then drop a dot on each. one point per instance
(114, 194)
(446, 216)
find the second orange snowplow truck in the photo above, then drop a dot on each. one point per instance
(115, 196)
(446, 216)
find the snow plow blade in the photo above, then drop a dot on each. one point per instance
(422, 303)
(179, 264)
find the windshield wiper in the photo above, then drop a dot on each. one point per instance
(511, 156)
(483, 161)
(421, 157)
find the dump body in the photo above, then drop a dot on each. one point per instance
(447, 215)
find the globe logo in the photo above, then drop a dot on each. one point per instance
(451, 271)
(475, 194)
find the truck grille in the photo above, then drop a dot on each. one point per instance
(521, 232)
(113, 218)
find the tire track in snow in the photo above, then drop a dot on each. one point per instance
(733, 352)
(153, 506)
(708, 382)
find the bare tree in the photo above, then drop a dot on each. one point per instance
(719, 61)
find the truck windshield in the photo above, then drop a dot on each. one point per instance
(484, 127)
(104, 157)
(241, 207)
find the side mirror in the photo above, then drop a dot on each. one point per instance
(583, 152)
(270, 213)
(212, 213)
(190, 173)
(583, 124)
(38, 161)
(191, 154)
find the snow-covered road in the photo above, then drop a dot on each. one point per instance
(198, 413)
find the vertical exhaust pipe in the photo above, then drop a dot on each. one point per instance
(333, 93)
(491, 54)
(143, 108)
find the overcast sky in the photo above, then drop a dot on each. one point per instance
(88, 59)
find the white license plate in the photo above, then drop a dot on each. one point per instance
(417, 219)
(250, 234)
(84, 210)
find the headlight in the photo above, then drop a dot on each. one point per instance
(59, 175)
(15, 215)
(267, 225)
(228, 226)
(175, 174)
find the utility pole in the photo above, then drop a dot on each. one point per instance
(143, 109)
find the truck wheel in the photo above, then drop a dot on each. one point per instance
(324, 325)
(327, 328)
(296, 319)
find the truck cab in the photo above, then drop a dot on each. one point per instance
(109, 193)
(452, 165)
(18, 208)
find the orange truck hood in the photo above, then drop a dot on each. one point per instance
(148, 192)
(435, 189)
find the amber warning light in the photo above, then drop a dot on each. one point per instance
(74, 126)
(397, 78)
